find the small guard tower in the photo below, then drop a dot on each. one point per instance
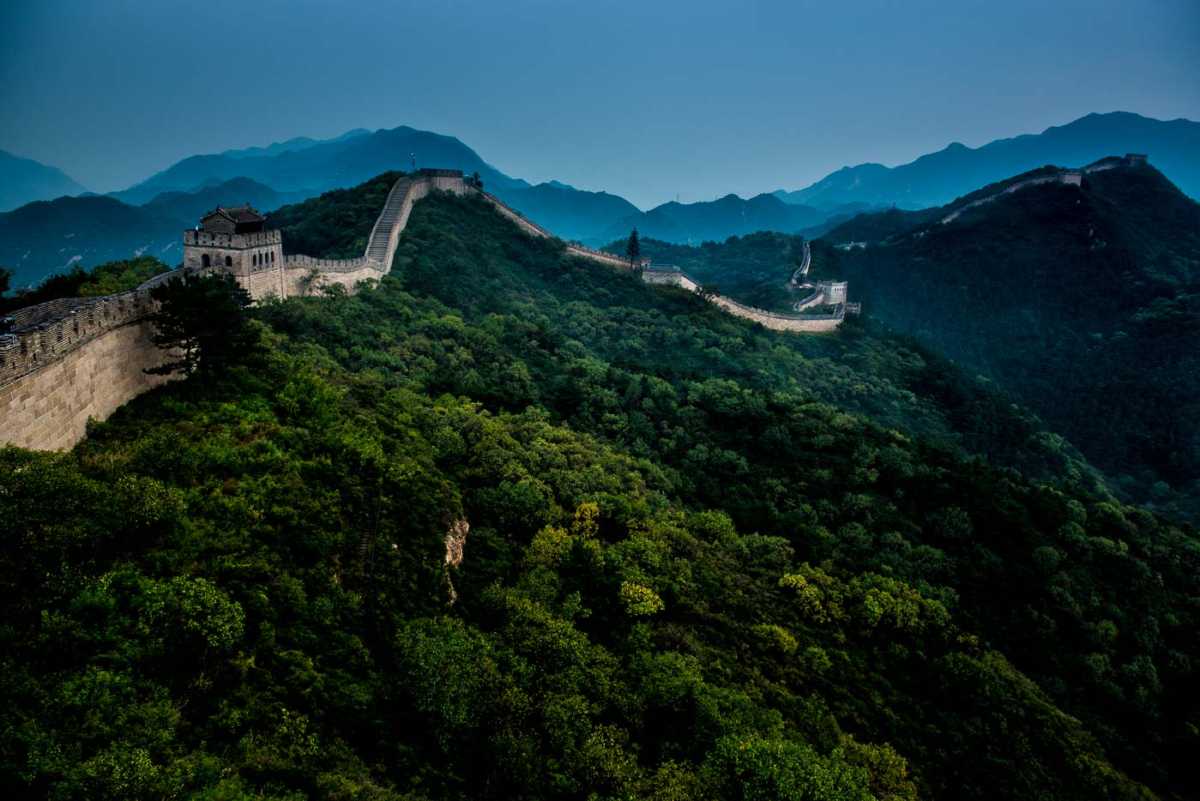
(235, 240)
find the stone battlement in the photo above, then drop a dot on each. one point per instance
(299, 262)
(38, 340)
(194, 238)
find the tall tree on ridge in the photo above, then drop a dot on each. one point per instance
(202, 324)
(633, 248)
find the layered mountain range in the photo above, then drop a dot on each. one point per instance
(302, 167)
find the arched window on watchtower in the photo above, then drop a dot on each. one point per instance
(205, 261)
(228, 261)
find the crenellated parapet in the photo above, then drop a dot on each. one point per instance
(197, 238)
(44, 333)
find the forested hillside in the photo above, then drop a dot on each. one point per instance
(754, 269)
(704, 560)
(1082, 302)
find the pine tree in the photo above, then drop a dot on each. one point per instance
(202, 324)
(633, 249)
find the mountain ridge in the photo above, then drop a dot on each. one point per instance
(24, 180)
(933, 179)
(1083, 301)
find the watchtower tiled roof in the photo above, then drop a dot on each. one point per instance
(241, 219)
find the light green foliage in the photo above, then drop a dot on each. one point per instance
(639, 601)
(185, 609)
(757, 769)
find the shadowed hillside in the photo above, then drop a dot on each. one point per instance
(48, 237)
(1080, 301)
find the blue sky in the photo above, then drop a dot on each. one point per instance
(646, 99)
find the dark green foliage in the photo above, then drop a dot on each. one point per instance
(104, 279)
(754, 269)
(633, 248)
(202, 324)
(695, 568)
(335, 225)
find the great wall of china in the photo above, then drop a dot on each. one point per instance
(68, 361)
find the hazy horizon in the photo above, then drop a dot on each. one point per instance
(799, 90)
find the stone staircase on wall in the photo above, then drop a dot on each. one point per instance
(381, 245)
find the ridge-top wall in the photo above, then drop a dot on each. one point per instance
(76, 359)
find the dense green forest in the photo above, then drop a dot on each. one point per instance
(1082, 303)
(704, 560)
(104, 279)
(335, 225)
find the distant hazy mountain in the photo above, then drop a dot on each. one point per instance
(295, 143)
(189, 206)
(568, 212)
(25, 180)
(938, 178)
(320, 166)
(46, 237)
(717, 220)
(301, 168)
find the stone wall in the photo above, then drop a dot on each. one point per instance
(672, 276)
(779, 322)
(76, 358)
(40, 341)
(1068, 177)
(48, 409)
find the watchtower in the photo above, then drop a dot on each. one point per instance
(235, 240)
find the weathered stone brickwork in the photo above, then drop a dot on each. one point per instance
(49, 409)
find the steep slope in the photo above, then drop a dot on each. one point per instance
(937, 178)
(25, 180)
(571, 213)
(1082, 301)
(691, 570)
(47, 237)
